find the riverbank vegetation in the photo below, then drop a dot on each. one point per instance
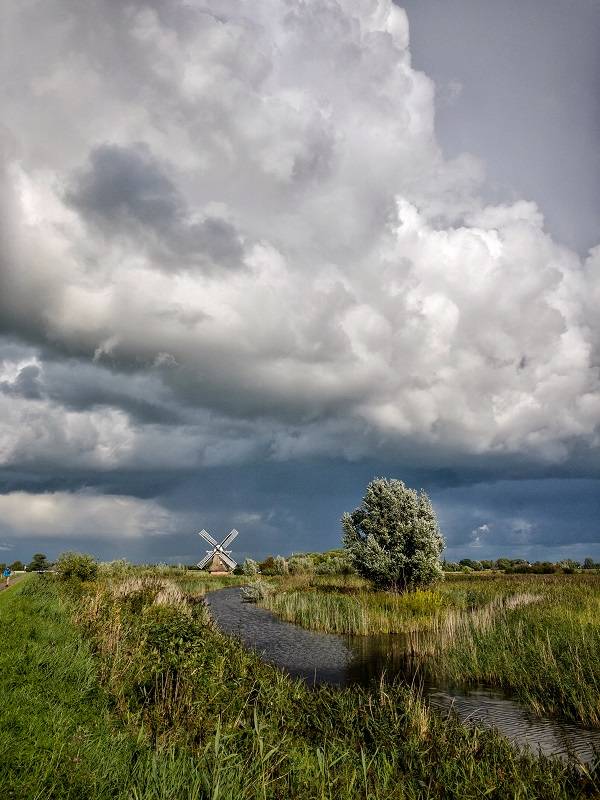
(536, 635)
(123, 688)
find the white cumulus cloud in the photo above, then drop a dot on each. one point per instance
(248, 203)
(81, 515)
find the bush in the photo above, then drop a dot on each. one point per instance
(118, 568)
(300, 565)
(77, 566)
(475, 566)
(451, 566)
(267, 566)
(250, 567)
(258, 590)
(280, 566)
(393, 538)
(336, 565)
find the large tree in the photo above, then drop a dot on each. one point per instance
(393, 538)
(38, 563)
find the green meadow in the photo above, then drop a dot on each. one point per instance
(122, 688)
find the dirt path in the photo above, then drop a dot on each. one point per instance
(12, 582)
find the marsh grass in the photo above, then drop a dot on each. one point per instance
(254, 733)
(199, 583)
(547, 651)
(358, 613)
(535, 635)
(144, 699)
(347, 605)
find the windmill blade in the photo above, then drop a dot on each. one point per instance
(228, 560)
(203, 562)
(229, 538)
(207, 537)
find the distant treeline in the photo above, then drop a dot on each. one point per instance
(39, 562)
(519, 565)
(335, 562)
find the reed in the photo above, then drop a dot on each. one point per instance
(546, 652)
(360, 614)
(126, 691)
(536, 635)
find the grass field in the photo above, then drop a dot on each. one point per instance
(122, 688)
(57, 737)
(537, 635)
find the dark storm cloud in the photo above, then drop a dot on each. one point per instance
(124, 184)
(124, 190)
(27, 384)
(252, 281)
(80, 387)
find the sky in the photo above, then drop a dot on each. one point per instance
(254, 255)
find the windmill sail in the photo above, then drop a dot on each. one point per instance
(218, 557)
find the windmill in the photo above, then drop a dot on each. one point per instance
(219, 557)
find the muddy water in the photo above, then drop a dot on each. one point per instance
(327, 658)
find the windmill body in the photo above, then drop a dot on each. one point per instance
(218, 559)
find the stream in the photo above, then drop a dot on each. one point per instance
(328, 658)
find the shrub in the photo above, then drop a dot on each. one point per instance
(258, 590)
(250, 567)
(393, 538)
(280, 566)
(267, 566)
(336, 565)
(76, 565)
(118, 568)
(451, 566)
(300, 565)
(475, 566)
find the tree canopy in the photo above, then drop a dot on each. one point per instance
(393, 538)
(38, 562)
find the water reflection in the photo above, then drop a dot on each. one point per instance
(374, 656)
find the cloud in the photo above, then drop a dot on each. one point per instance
(125, 193)
(522, 517)
(235, 224)
(81, 515)
(478, 533)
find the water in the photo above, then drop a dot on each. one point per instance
(327, 658)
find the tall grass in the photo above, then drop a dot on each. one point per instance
(547, 651)
(256, 733)
(194, 715)
(536, 635)
(361, 613)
